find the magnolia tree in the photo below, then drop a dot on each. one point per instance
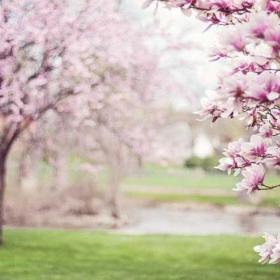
(119, 120)
(49, 50)
(250, 45)
(114, 128)
(118, 124)
(122, 126)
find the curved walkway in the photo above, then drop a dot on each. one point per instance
(168, 219)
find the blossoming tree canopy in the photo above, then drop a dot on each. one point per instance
(38, 59)
(251, 89)
(40, 64)
(51, 50)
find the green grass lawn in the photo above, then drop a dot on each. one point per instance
(219, 200)
(179, 177)
(172, 179)
(42, 254)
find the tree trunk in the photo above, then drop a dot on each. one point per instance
(3, 158)
(114, 200)
(114, 192)
(22, 171)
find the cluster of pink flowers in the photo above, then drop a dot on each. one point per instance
(252, 158)
(251, 91)
(250, 45)
(53, 50)
(215, 11)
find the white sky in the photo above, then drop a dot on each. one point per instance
(200, 74)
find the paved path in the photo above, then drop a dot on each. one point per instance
(171, 220)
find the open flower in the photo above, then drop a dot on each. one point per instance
(270, 250)
(234, 39)
(212, 107)
(260, 23)
(264, 88)
(253, 178)
(226, 164)
(275, 257)
(266, 131)
(272, 6)
(234, 148)
(256, 148)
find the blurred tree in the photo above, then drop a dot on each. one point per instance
(50, 50)
(118, 125)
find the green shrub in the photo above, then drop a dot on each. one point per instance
(207, 163)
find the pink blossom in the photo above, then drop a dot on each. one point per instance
(269, 251)
(226, 164)
(235, 40)
(266, 131)
(253, 178)
(257, 147)
(235, 85)
(272, 6)
(264, 87)
(234, 148)
(275, 256)
(272, 37)
(211, 110)
(250, 46)
(260, 23)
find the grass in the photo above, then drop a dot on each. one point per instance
(180, 177)
(219, 200)
(170, 180)
(42, 254)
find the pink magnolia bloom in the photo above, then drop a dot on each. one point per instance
(269, 251)
(275, 256)
(226, 164)
(211, 109)
(264, 87)
(234, 39)
(266, 131)
(260, 23)
(272, 38)
(253, 178)
(272, 6)
(274, 156)
(256, 148)
(234, 159)
(246, 67)
(234, 148)
(235, 85)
